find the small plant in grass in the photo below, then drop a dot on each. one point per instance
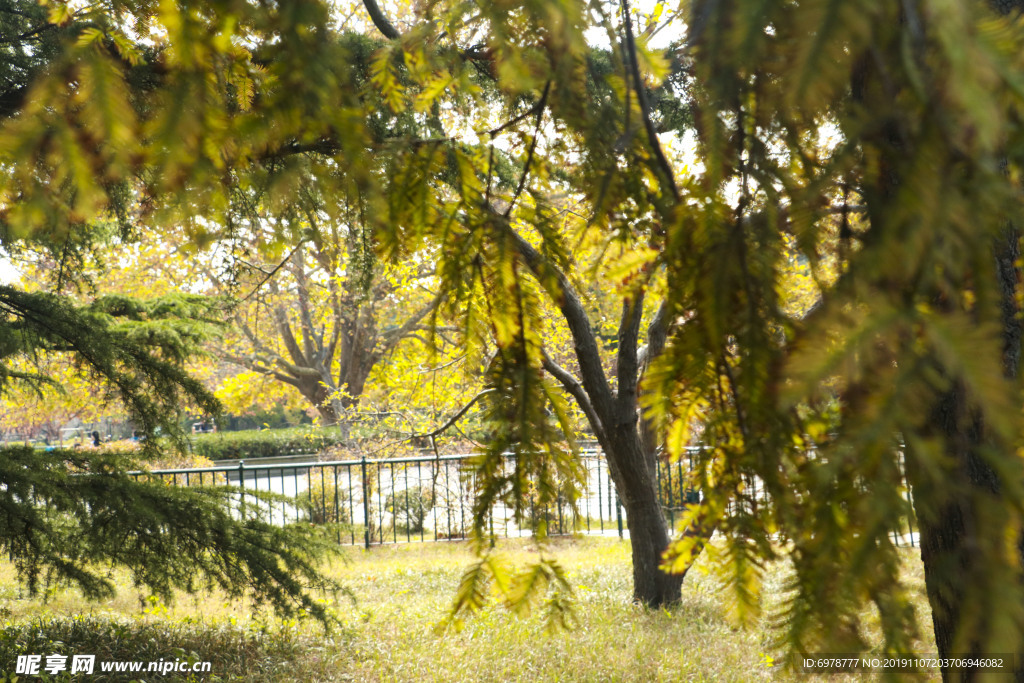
(411, 506)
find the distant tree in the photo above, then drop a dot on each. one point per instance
(321, 317)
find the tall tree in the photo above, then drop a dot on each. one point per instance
(504, 253)
(917, 337)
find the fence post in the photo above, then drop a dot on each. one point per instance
(241, 484)
(366, 503)
(618, 513)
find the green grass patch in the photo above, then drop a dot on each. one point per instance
(387, 629)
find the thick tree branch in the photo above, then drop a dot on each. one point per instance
(257, 345)
(393, 336)
(657, 337)
(575, 389)
(261, 369)
(284, 329)
(312, 342)
(380, 21)
(562, 293)
(626, 362)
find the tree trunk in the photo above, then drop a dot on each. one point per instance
(614, 418)
(958, 510)
(952, 527)
(319, 396)
(648, 532)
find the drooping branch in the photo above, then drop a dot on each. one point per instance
(664, 167)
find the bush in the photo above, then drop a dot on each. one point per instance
(267, 443)
(235, 653)
(325, 494)
(411, 506)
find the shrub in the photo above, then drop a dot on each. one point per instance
(267, 443)
(411, 506)
(328, 497)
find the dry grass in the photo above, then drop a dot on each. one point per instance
(388, 631)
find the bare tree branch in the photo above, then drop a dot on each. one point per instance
(272, 272)
(380, 21)
(446, 426)
(535, 109)
(576, 390)
(393, 336)
(284, 329)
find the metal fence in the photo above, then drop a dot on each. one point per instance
(377, 501)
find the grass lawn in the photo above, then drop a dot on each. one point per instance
(387, 632)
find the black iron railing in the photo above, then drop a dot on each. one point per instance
(429, 498)
(376, 501)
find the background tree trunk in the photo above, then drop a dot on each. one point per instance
(649, 534)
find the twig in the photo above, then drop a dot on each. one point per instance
(526, 114)
(645, 110)
(272, 272)
(443, 428)
(381, 21)
(529, 154)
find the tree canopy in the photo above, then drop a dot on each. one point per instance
(876, 144)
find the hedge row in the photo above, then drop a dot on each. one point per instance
(267, 443)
